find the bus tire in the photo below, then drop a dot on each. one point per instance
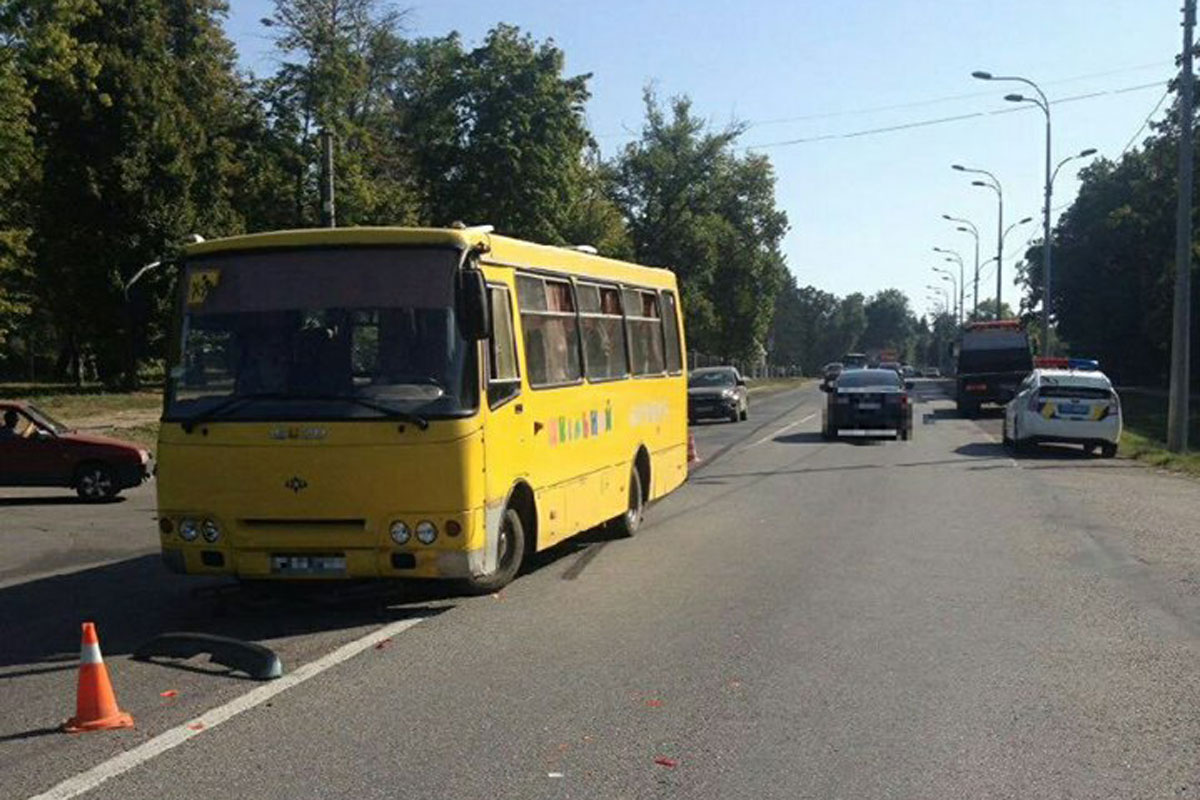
(512, 553)
(628, 523)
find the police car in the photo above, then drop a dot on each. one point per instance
(1064, 400)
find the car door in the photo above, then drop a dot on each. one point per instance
(1019, 402)
(33, 458)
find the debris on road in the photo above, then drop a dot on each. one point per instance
(669, 763)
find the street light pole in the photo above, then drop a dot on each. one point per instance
(971, 229)
(947, 275)
(1047, 248)
(995, 186)
(1177, 408)
(945, 295)
(953, 255)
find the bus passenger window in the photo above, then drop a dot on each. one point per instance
(645, 332)
(603, 332)
(551, 331)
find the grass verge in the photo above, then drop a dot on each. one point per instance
(1144, 437)
(130, 416)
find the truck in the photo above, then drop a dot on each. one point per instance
(992, 360)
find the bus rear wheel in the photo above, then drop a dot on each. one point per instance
(509, 556)
(628, 523)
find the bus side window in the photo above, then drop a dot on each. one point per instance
(504, 380)
(671, 331)
(551, 331)
(603, 331)
(645, 332)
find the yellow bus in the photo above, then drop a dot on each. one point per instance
(412, 403)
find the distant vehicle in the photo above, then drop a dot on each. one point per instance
(868, 403)
(932, 372)
(993, 359)
(1069, 402)
(831, 371)
(907, 372)
(717, 392)
(894, 366)
(854, 361)
(36, 450)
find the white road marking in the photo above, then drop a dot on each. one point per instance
(790, 425)
(86, 781)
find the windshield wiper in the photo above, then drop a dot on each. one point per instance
(406, 416)
(228, 404)
(240, 400)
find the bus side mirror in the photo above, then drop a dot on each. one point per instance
(475, 313)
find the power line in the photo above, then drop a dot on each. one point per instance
(946, 98)
(627, 133)
(944, 120)
(1145, 122)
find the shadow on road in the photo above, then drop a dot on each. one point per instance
(134, 600)
(57, 500)
(806, 437)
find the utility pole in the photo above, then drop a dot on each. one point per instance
(1047, 265)
(328, 213)
(1177, 410)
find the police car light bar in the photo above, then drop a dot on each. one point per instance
(1060, 362)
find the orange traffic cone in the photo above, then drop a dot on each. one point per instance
(95, 704)
(693, 456)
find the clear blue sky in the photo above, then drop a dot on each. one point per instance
(865, 211)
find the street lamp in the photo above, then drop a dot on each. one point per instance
(945, 295)
(971, 229)
(952, 255)
(1047, 272)
(994, 185)
(947, 275)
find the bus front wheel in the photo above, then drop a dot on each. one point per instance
(510, 554)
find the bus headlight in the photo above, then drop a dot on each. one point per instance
(188, 530)
(426, 532)
(399, 532)
(210, 530)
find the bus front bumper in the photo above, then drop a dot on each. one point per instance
(325, 563)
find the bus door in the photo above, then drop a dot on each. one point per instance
(508, 429)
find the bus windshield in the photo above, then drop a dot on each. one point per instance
(322, 334)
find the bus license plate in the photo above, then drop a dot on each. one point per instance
(308, 564)
(1073, 409)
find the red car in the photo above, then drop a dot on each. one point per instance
(37, 451)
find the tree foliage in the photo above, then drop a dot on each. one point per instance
(696, 206)
(1114, 263)
(125, 127)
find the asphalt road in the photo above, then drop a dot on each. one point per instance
(803, 619)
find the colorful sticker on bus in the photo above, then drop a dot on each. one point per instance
(589, 425)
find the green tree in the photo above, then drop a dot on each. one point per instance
(694, 205)
(135, 143)
(498, 135)
(987, 311)
(339, 73)
(890, 323)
